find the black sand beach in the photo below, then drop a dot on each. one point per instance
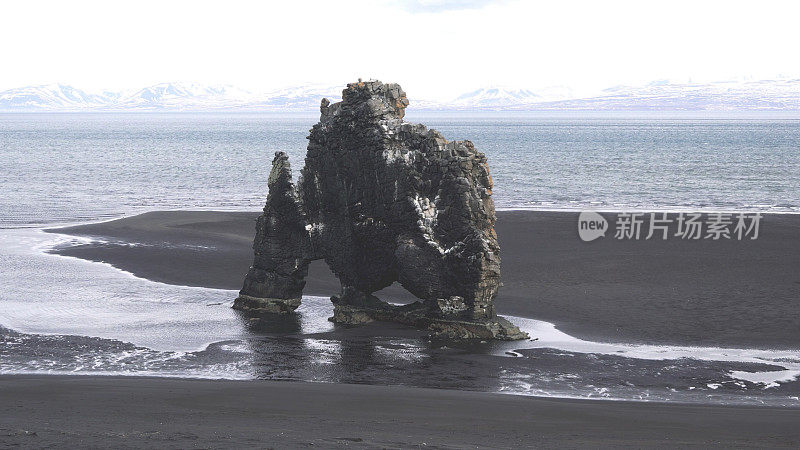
(712, 293)
(117, 412)
(731, 293)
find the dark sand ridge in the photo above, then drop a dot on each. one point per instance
(119, 412)
(727, 293)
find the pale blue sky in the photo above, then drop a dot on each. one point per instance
(434, 48)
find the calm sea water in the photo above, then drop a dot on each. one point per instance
(77, 167)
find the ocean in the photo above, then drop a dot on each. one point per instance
(63, 168)
(66, 315)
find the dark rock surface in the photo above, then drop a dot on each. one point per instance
(382, 200)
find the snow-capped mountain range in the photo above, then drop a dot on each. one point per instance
(763, 95)
(164, 97)
(779, 94)
(498, 97)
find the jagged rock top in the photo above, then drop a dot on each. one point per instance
(368, 99)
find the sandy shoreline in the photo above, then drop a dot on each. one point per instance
(709, 293)
(68, 411)
(606, 290)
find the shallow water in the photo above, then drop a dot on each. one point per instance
(60, 168)
(66, 315)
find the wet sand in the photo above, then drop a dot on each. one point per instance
(711, 293)
(119, 412)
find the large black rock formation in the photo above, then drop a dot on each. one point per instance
(382, 200)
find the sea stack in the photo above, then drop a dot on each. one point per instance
(382, 200)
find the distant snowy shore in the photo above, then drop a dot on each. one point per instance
(764, 95)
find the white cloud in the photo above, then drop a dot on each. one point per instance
(434, 48)
(437, 6)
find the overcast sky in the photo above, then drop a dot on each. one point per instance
(434, 48)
